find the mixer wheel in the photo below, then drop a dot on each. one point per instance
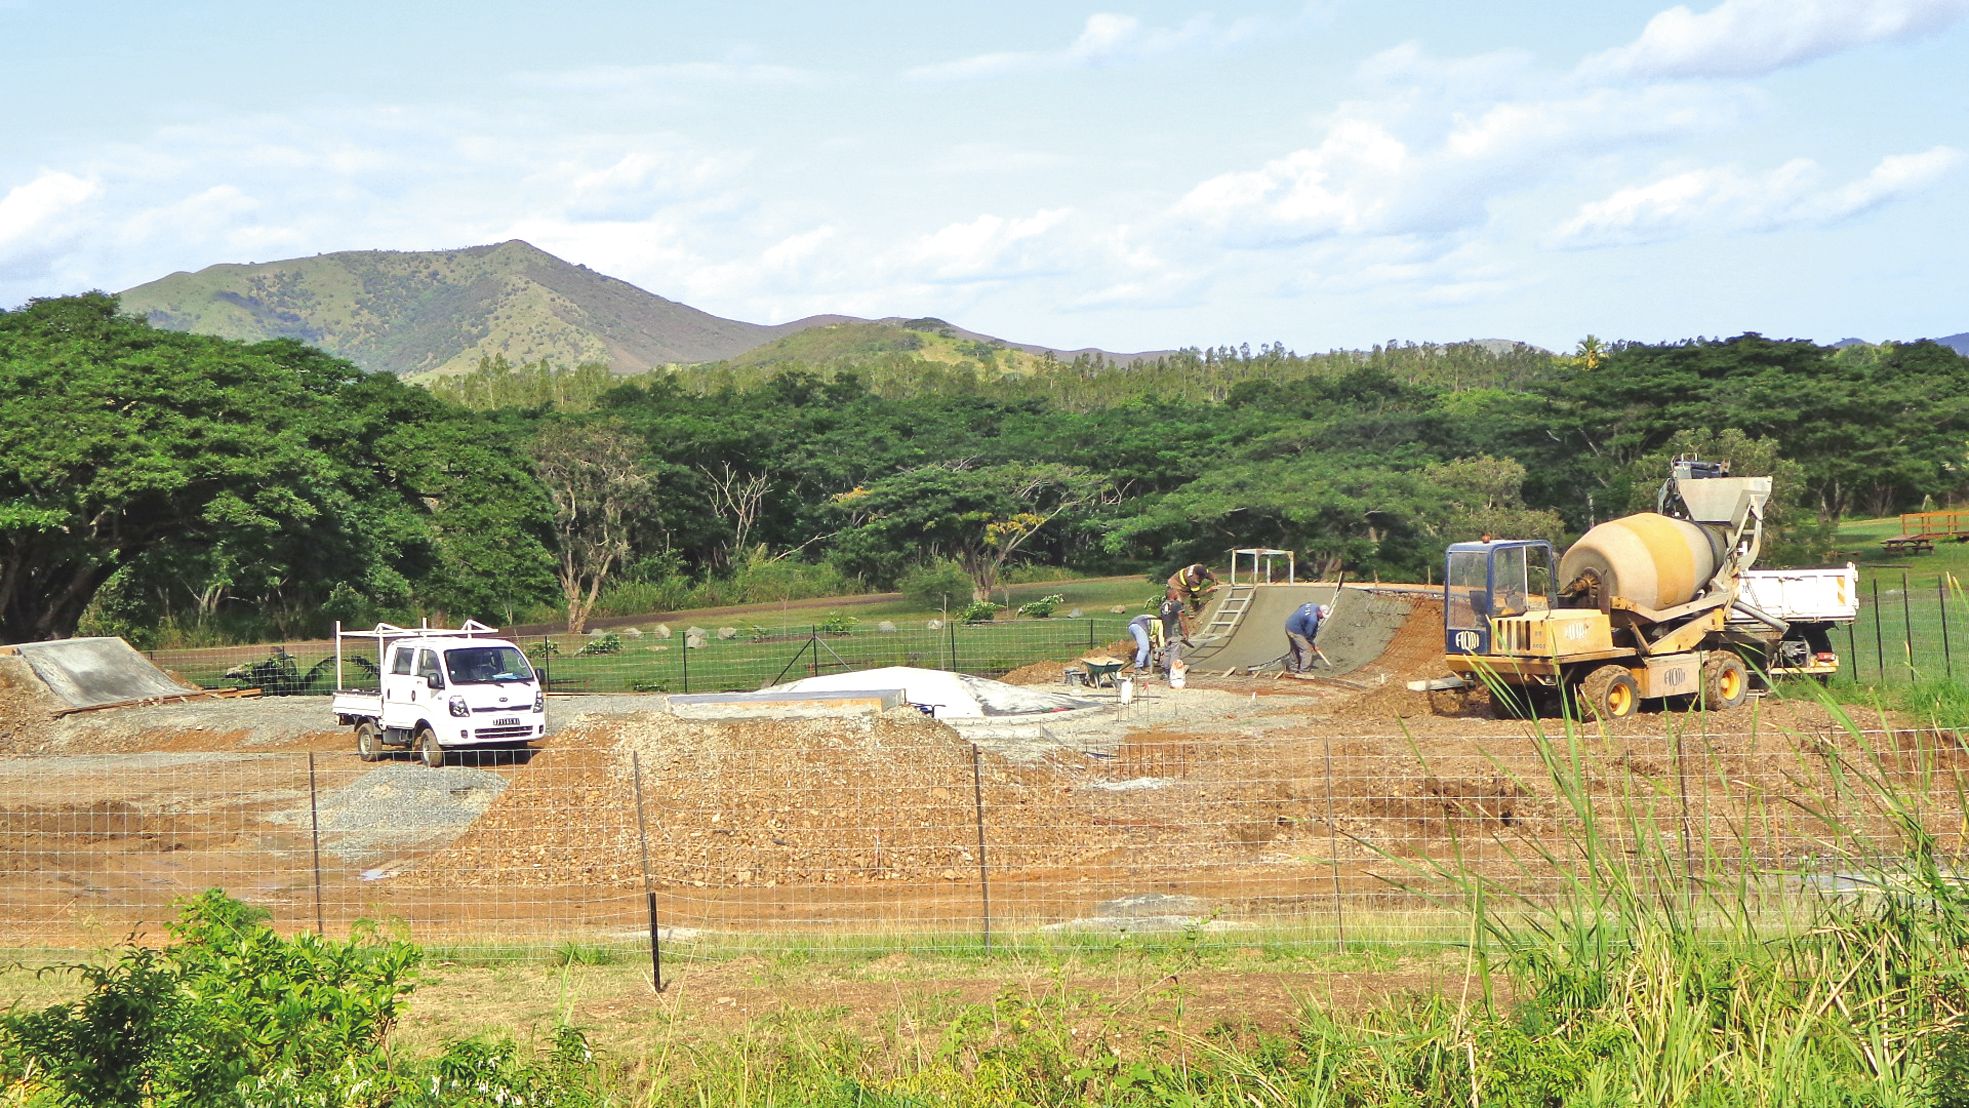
(1725, 681)
(1611, 692)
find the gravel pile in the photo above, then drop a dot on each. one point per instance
(398, 807)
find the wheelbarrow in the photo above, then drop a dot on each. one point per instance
(1101, 674)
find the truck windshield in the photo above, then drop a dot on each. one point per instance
(486, 665)
(1521, 581)
(1467, 583)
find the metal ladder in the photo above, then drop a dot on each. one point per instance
(1230, 613)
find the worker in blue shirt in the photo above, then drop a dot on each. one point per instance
(1301, 628)
(1147, 630)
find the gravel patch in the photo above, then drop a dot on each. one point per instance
(394, 808)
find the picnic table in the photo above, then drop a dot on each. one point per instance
(1906, 543)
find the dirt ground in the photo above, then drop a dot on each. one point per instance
(1263, 804)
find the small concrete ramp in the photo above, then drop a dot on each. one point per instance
(1362, 625)
(97, 673)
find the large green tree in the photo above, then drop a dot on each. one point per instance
(264, 476)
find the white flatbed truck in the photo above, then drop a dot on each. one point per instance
(439, 690)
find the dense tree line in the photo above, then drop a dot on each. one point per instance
(148, 476)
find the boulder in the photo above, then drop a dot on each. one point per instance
(726, 634)
(934, 625)
(886, 627)
(661, 630)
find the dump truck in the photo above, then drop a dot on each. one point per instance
(1660, 605)
(437, 690)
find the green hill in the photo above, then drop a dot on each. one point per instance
(441, 311)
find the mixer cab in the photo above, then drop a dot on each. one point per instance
(1486, 581)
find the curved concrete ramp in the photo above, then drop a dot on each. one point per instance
(1362, 625)
(96, 673)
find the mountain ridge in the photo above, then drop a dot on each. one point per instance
(443, 311)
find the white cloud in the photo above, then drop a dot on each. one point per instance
(1729, 200)
(1739, 38)
(1419, 167)
(635, 184)
(987, 248)
(1106, 38)
(34, 216)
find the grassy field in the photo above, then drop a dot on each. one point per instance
(771, 641)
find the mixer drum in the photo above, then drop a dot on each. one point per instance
(1649, 559)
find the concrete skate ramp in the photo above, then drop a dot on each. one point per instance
(1362, 625)
(95, 673)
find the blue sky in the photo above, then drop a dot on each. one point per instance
(1326, 175)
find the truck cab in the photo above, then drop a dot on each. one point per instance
(443, 690)
(1483, 581)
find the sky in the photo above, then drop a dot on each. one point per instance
(1327, 175)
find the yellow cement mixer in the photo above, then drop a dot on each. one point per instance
(1648, 606)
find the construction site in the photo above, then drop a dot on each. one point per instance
(924, 805)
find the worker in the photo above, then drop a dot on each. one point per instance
(1147, 629)
(1190, 583)
(1175, 629)
(1301, 628)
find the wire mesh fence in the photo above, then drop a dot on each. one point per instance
(694, 836)
(693, 659)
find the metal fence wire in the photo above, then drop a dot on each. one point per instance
(721, 658)
(1909, 630)
(892, 829)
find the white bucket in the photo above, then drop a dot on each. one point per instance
(1176, 676)
(1127, 687)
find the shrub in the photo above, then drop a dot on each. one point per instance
(608, 643)
(978, 611)
(836, 624)
(1042, 608)
(229, 1012)
(937, 584)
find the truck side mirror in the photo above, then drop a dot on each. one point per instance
(433, 683)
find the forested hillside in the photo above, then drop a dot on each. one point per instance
(150, 477)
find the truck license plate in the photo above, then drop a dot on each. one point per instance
(506, 721)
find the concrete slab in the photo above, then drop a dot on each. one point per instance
(748, 704)
(1362, 625)
(96, 673)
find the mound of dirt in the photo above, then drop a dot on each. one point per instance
(27, 708)
(847, 801)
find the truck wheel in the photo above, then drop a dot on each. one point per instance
(369, 746)
(1611, 692)
(1725, 681)
(424, 747)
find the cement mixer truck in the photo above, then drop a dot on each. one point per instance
(1652, 606)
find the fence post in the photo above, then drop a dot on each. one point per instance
(314, 832)
(951, 626)
(1879, 650)
(984, 874)
(649, 894)
(813, 640)
(685, 655)
(1853, 649)
(546, 663)
(1948, 658)
(1333, 849)
(1090, 634)
(1907, 626)
(1688, 850)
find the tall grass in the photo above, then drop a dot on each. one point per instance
(1671, 961)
